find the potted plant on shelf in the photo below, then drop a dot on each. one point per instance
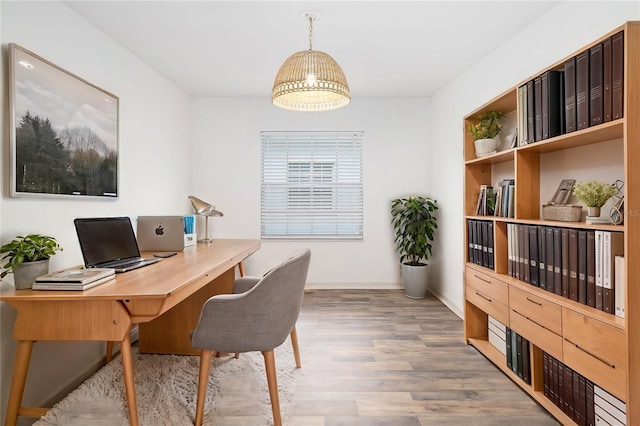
(594, 195)
(28, 257)
(485, 131)
(415, 225)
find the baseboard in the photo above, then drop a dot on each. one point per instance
(452, 307)
(354, 286)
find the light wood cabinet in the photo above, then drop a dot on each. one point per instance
(601, 346)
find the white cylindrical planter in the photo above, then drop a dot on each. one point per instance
(485, 147)
(25, 274)
(414, 279)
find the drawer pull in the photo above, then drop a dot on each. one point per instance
(483, 296)
(602, 360)
(534, 301)
(535, 322)
(482, 279)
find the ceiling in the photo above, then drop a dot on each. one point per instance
(385, 48)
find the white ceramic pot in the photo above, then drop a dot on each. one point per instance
(485, 146)
(415, 281)
(25, 274)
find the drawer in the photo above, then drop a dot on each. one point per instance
(536, 333)
(488, 285)
(543, 312)
(488, 304)
(595, 350)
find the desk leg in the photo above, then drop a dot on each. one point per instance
(127, 370)
(20, 369)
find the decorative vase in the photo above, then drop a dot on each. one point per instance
(485, 146)
(25, 274)
(593, 211)
(414, 279)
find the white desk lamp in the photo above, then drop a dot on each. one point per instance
(207, 210)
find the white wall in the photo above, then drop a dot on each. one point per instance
(226, 159)
(153, 178)
(557, 34)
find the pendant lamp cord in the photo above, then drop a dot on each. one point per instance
(310, 32)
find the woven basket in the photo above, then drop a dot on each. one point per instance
(562, 213)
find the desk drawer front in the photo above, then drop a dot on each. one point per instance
(488, 285)
(596, 350)
(488, 304)
(546, 313)
(536, 333)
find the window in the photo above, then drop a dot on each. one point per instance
(312, 185)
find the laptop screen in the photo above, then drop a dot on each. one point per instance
(106, 239)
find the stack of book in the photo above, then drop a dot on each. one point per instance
(480, 242)
(74, 279)
(568, 390)
(586, 266)
(609, 410)
(497, 332)
(584, 91)
(518, 359)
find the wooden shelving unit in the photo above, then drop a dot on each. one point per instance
(608, 337)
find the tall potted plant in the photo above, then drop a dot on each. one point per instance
(28, 258)
(415, 225)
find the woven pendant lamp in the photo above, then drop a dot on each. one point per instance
(310, 80)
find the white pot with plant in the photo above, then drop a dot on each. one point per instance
(415, 225)
(484, 133)
(594, 195)
(28, 258)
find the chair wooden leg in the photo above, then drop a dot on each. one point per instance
(272, 381)
(109, 355)
(241, 268)
(203, 381)
(296, 350)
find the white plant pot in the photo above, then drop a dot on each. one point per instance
(25, 274)
(485, 146)
(415, 281)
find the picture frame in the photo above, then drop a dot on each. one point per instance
(64, 132)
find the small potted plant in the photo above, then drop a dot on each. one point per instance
(485, 131)
(415, 225)
(28, 257)
(594, 195)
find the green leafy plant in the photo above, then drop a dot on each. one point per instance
(488, 126)
(415, 226)
(30, 248)
(593, 193)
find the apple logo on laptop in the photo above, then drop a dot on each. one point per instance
(159, 230)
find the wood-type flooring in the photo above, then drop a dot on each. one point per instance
(376, 357)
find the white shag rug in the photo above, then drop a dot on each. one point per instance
(166, 391)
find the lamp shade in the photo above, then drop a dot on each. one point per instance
(203, 208)
(310, 80)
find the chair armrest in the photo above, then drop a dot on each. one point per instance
(243, 284)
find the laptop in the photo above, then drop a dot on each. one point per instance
(109, 242)
(160, 233)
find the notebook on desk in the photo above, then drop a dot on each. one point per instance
(109, 242)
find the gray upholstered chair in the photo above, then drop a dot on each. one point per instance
(258, 319)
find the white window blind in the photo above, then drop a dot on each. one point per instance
(312, 185)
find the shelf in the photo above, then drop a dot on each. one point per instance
(497, 158)
(576, 225)
(601, 133)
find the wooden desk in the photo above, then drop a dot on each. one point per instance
(164, 298)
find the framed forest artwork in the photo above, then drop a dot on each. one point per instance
(63, 131)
